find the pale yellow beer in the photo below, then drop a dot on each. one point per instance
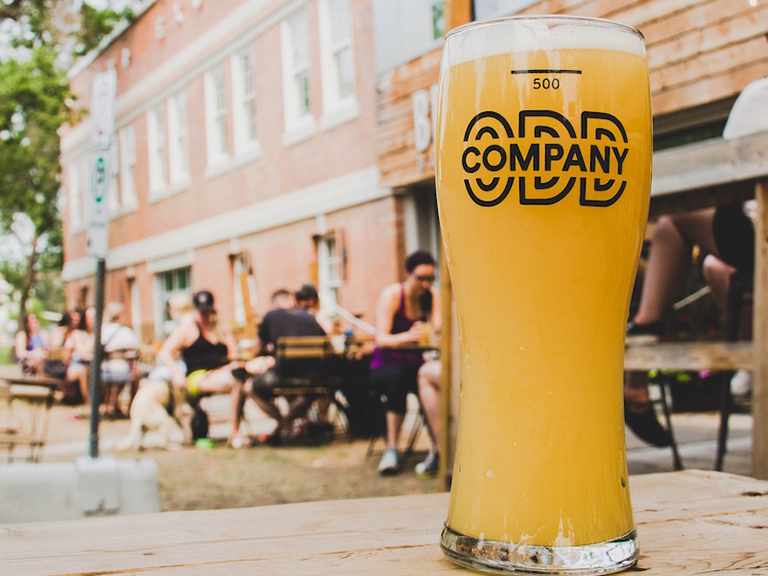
(543, 175)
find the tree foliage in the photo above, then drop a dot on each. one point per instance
(34, 104)
(33, 97)
(96, 24)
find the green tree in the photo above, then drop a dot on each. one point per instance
(33, 96)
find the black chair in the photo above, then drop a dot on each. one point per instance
(739, 300)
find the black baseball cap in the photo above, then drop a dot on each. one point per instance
(203, 300)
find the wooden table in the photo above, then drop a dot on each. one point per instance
(29, 429)
(688, 522)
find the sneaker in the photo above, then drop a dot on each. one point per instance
(643, 423)
(644, 333)
(428, 468)
(741, 383)
(390, 462)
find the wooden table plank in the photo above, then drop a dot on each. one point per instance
(760, 336)
(688, 523)
(692, 356)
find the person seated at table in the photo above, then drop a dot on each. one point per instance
(117, 370)
(308, 299)
(284, 320)
(403, 312)
(209, 354)
(725, 232)
(57, 355)
(29, 346)
(80, 344)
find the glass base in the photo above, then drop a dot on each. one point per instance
(492, 556)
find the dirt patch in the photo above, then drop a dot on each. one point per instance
(195, 479)
(224, 478)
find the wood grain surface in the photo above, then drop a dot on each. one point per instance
(688, 522)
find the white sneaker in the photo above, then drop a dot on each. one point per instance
(428, 468)
(390, 462)
(741, 383)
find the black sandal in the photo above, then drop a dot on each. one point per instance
(645, 426)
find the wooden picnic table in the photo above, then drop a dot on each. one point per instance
(688, 523)
(715, 172)
(30, 428)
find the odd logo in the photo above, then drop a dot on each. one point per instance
(546, 160)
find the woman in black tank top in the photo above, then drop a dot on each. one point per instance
(208, 354)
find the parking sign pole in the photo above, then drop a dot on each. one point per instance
(98, 353)
(102, 122)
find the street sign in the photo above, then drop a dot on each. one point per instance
(98, 213)
(103, 92)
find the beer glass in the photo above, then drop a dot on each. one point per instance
(543, 177)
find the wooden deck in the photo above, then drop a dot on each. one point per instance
(688, 523)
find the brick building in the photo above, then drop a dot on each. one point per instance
(244, 160)
(265, 143)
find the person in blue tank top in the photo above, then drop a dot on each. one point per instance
(29, 346)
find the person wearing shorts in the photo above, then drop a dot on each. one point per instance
(206, 350)
(726, 233)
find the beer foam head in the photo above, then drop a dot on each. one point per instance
(534, 33)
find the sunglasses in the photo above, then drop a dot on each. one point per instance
(429, 279)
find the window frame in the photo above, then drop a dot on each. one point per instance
(163, 295)
(126, 137)
(178, 141)
(74, 196)
(330, 268)
(331, 47)
(157, 151)
(299, 122)
(244, 105)
(216, 113)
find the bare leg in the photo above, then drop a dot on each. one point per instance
(718, 276)
(429, 394)
(79, 373)
(670, 257)
(268, 408)
(394, 423)
(298, 408)
(673, 242)
(221, 381)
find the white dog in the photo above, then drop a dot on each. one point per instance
(150, 411)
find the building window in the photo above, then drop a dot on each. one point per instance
(339, 71)
(216, 115)
(136, 308)
(244, 100)
(113, 192)
(74, 195)
(168, 284)
(244, 290)
(295, 36)
(338, 67)
(329, 270)
(178, 139)
(85, 177)
(127, 144)
(156, 146)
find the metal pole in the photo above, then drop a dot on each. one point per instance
(98, 353)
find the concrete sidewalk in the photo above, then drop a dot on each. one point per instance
(696, 435)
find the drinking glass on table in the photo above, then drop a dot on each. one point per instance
(543, 177)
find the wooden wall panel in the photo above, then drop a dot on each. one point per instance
(699, 52)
